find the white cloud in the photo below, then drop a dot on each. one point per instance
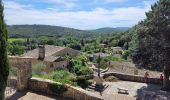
(96, 18)
(67, 3)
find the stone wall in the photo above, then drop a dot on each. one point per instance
(133, 78)
(24, 71)
(42, 85)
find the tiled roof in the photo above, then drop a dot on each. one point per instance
(51, 58)
(49, 51)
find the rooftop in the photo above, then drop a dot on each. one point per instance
(49, 51)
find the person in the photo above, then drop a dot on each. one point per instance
(161, 80)
(146, 76)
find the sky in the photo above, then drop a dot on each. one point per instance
(79, 14)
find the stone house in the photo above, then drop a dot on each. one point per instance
(116, 50)
(52, 56)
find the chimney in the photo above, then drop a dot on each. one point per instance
(41, 52)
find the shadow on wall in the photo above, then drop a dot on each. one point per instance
(152, 92)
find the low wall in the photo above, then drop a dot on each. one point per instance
(42, 85)
(133, 78)
(87, 77)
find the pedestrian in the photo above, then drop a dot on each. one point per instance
(146, 76)
(161, 80)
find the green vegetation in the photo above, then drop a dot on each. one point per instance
(79, 67)
(85, 41)
(10, 40)
(58, 89)
(4, 65)
(62, 76)
(149, 40)
(113, 58)
(109, 30)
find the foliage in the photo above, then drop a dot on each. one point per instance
(10, 40)
(152, 37)
(79, 66)
(58, 89)
(62, 76)
(126, 54)
(4, 65)
(83, 83)
(108, 30)
(83, 70)
(103, 64)
(16, 49)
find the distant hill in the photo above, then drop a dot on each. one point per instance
(107, 30)
(37, 30)
(58, 31)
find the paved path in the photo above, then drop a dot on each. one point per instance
(34, 96)
(135, 91)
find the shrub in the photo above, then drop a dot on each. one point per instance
(83, 83)
(62, 76)
(84, 71)
(58, 89)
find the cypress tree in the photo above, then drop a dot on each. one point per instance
(4, 65)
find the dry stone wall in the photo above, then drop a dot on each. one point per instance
(42, 85)
(133, 78)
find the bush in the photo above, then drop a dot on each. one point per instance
(79, 66)
(81, 70)
(62, 76)
(58, 88)
(83, 83)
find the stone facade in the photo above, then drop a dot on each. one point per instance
(51, 66)
(42, 85)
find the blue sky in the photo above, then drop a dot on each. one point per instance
(80, 14)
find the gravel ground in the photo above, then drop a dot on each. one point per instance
(135, 90)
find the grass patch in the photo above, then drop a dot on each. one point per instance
(10, 40)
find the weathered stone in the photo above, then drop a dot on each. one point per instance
(24, 71)
(42, 85)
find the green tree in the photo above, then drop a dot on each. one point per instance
(153, 39)
(4, 66)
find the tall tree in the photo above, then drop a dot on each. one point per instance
(4, 66)
(153, 39)
(154, 35)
